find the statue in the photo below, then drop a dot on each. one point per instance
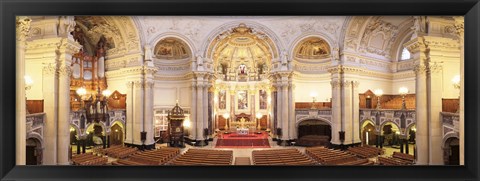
(199, 59)
(284, 57)
(419, 25)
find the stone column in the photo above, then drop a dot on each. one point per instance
(148, 101)
(291, 112)
(284, 109)
(417, 49)
(193, 112)
(200, 111)
(129, 114)
(279, 107)
(22, 29)
(347, 106)
(50, 90)
(337, 125)
(138, 111)
(459, 25)
(65, 51)
(434, 88)
(205, 105)
(356, 112)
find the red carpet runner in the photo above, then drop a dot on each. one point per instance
(234, 140)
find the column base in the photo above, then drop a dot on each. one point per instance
(201, 143)
(344, 146)
(141, 147)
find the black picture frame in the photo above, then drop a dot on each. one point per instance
(10, 9)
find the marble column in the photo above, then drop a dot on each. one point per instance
(205, 105)
(434, 87)
(459, 26)
(347, 106)
(50, 90)
(337, 125)
(138, 111)
(148, 101)
(355, 112)
(232, 108)
(129, 114)
(193, 112)
(417, 49)
(279, 107)
(291, 112)
(284, 109)
(200, 111)
(22, 29)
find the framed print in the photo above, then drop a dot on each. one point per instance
(239, 90)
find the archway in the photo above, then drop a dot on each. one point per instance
(391, 135)
(452, 151)
(116, 135)
(314, 132)
(368, 133)
(33, 152)
(95, 135)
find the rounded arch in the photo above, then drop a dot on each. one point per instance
(352, 32)
(104, 128)
(296, 42)
(179, 36)
(207, 42)
(449, 136)
(313, 118)
(79, 133)
(121, 30)
(37, 137)
(387, 122)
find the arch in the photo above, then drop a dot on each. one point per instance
(179, 36)
(317, 133)
(367, 120)
(295, 43)
(278, 45)
(312, 118)
(119, 122)
(79, 133)
(386, 122)
(118, 26)
(448, 136)
(104, 128)
(36, 136)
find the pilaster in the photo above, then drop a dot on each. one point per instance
(22, 30)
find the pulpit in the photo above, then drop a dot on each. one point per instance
(175, 127)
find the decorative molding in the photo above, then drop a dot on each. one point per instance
(22, 27)
(50, 69)
(64, 70)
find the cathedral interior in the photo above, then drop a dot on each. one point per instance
(240, 90)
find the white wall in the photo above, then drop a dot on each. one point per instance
(35, 71)
(305, 85)
(167, 92)
(409, 83)
(372, 83)
(450, 69)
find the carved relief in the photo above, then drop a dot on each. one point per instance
(23, 27)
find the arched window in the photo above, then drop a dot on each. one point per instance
(405, 54)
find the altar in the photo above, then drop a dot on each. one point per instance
(242, 131)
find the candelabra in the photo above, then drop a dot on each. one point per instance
(403, 91)
(378, 93)
(314, 98)
(259, 115)
(456, 85)
(226, 116)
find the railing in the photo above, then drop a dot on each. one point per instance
(395, 113)
(450, 119)
(326, 111)
(36, 119)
